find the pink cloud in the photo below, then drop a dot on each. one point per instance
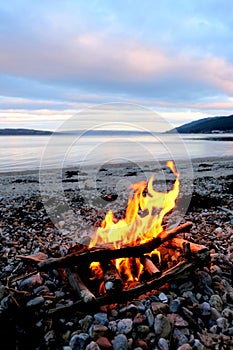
(95, 57)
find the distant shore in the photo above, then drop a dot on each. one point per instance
(212, 138)
(24, 132)
(220, 136)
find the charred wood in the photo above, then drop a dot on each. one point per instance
(149, 266)
(198, 250)
(94, 254)
(112, 279)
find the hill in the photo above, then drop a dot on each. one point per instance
(210, 125)
(23, 132)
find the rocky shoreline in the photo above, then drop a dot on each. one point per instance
(195, 312)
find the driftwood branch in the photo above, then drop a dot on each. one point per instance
(79, 288)
(86, 295)
(91, 255)
(198, 250)
(73, 282)
(33, 258)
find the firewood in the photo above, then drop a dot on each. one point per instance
(179, 271)
(12, 279)
(94, 254)
(187, 250)
(149, 266)
(112, 279)
(37, 257)
(86, 295)
(198, 250)
(169, 233)
(72, 278)
(77, 284)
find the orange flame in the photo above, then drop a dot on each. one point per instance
(135, 229)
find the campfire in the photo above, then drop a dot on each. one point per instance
(142, 222)
(130, 256)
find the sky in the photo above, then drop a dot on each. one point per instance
(60, 57)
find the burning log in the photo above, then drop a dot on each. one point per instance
(73, 259)
(112, 279)
(200, 251)
(150, 267)
(187, 250)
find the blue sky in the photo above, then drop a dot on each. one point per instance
(60, 57)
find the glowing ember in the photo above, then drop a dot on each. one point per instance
(136, 229)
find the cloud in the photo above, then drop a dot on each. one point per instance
(71, 55)
(95, 63)
(54, 49)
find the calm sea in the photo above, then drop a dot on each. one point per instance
(20, 153)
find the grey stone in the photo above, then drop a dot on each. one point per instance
(143, 330)
(79, 341)
(101, 318)
(197, 345)
(222, 323)
(150, 317)
(92, 346)
(86, 322)
(174, 305)
(163, 298)
(179, 337)
(162, 326)
(125, 325)
(120, 342)
(205, 308)
(158, 307)
(214, 314)
(163, 344)
(216, 302)
(36, 302)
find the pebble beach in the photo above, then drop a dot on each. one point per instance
(193, 313)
